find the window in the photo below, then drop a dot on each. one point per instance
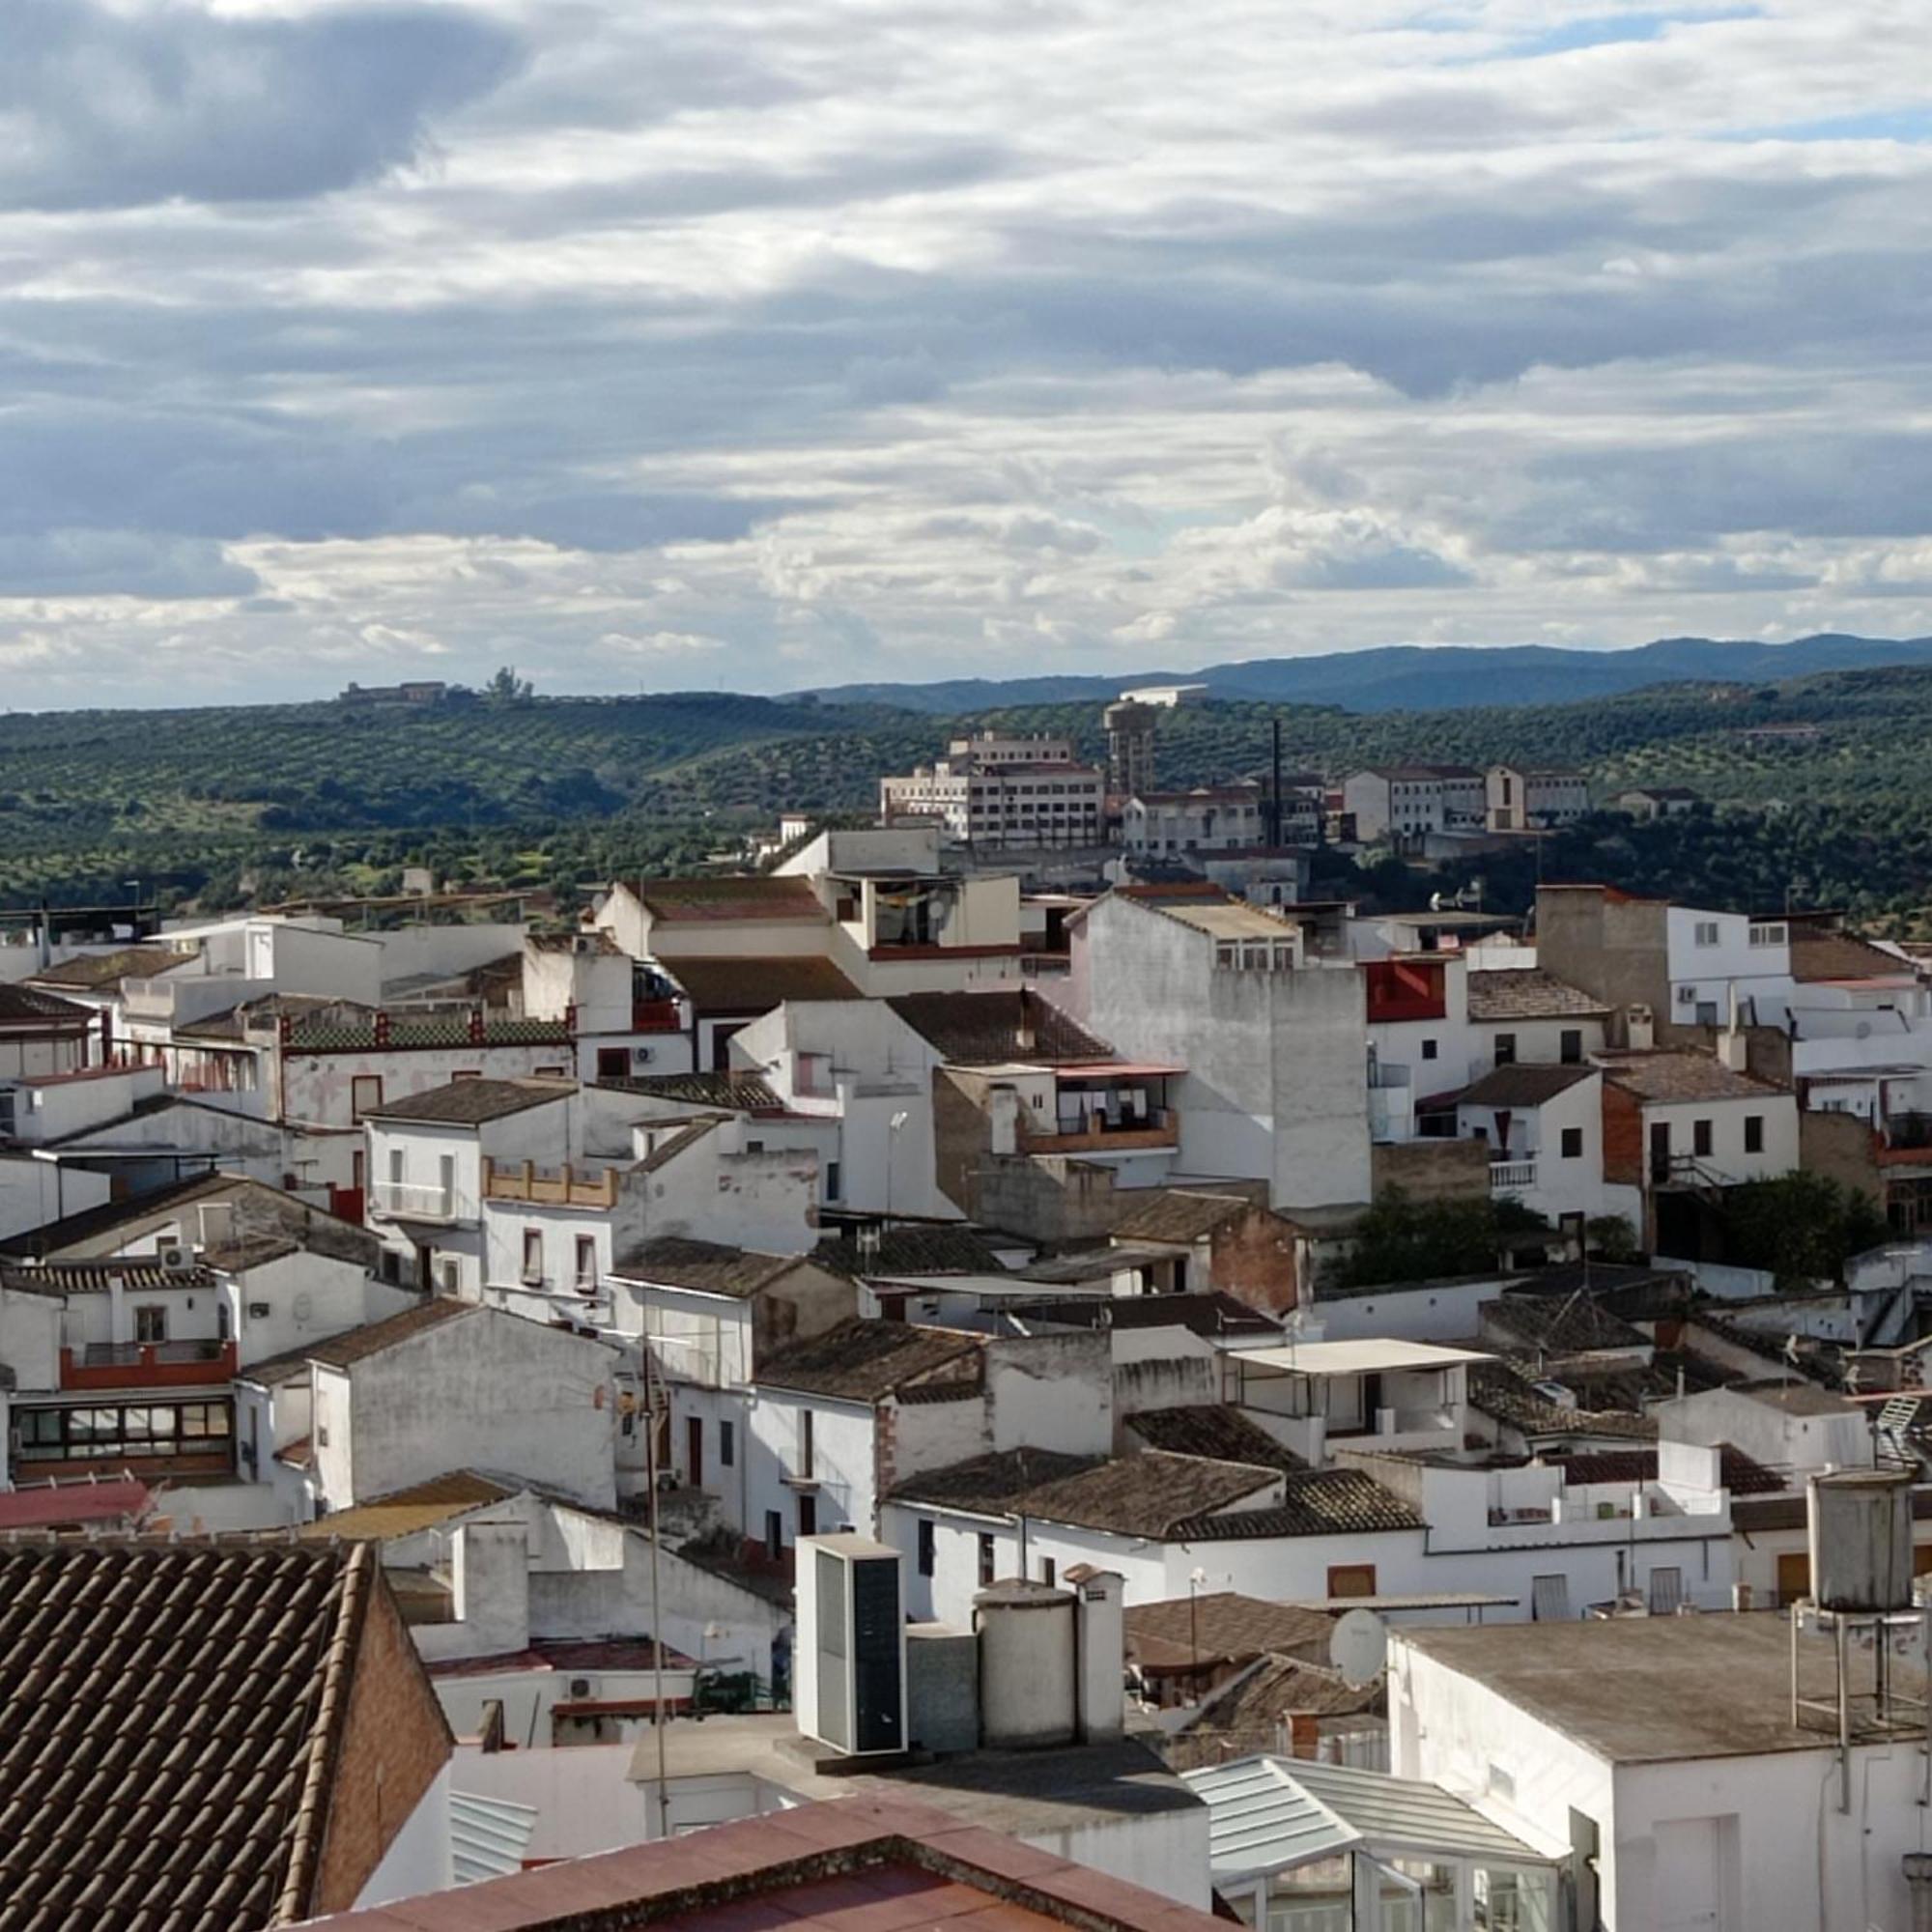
(1549, 1600)
(927, 1552)
(1506, 1049)
(150, 1323)
(1570, 1046)
(396, 1166)
(727, 1444)
(987, 1560)
(613, 1063)
(808, 1516)
(1352, 1579)
(586, 1262)
(775, 1535)
(365, 1095)
(1705, 932)
(1573, 1142)
(1429, 1047)
(1701, 1139)
(1049, 1569)
(804, 1441)
(1773, 934)
(1753, 1133)
(533, 1257)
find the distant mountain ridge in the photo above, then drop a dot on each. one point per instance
(1418, 677)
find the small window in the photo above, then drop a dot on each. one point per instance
(808, 1516)
(1429, 1049)
(1506, 1049)
(1352, 1579)
(586, 1262)
(1753, 1133)
(1049, 1569)
(1570, 1046)
(533, 1258)
(834, 1182)
(366, 1095)
(1705, 932)
(1573, 1142)
(987, 1560)
(927, 1547)
(150, 1323)
(1701, 1139)
(775, 1535)
(727, 1443)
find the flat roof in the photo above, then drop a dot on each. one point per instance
(1647, 1690)
(1369, 1356)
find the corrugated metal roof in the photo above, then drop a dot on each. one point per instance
(1269, 1814)
(487, 1836)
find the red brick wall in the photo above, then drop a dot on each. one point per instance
(1253, 1259)
(394, 1743)
(1623, 1137)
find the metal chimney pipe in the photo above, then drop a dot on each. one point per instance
(1918, 1884)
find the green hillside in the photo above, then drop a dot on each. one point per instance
(210, 802)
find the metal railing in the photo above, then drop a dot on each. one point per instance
(1509, 1177)
(419, 1200)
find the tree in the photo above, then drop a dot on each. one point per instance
(1611, 1237)
(1400, 1239)
(1799, 1228)
(507, 687)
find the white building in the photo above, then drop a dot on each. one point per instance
(992, 791)
(1206, 819)
(1657, 1757)
(1544, 1126)
(1526, 798)
(1274, 1050)
(1403, 803)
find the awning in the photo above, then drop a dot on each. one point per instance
(1379, 1355)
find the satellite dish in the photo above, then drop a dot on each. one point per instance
(1358, 1645)
(1864, 1029)
(302, 1306)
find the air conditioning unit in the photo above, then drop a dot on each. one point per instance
(581, 1688)
(643, 1056)
(850, 1672)
(176, 1257)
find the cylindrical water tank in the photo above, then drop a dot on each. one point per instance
(1862, 1541)
(1026, 1665)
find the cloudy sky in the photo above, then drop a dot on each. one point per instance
(768, 343)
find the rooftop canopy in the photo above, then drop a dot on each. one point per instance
(1369, 1356)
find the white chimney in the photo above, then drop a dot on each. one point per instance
(1640, 1029)
(1734, 1050)
(1101, 1640)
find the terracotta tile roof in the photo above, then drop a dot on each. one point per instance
(868, 1361)
(991, 1029)
(726, 984)
(261, 1015)
(1667, 1074)
(1150, 1494)
(1507, 1394)
(136, 1274)
(470, 1103)
(1217, 1429)
(27, 1007)
(1843, 955)
(682, 902)
(1571, 1324)
(355, 1345)
(675, 1262)
(937, 1249)
(1528, 993)
(1523, 1086)
(671, 1146)
(51, 1236)
(1323, 1502)
(1260, 1699)
(1741, 1474)
(1177, 1214)
(169, 1708)
(1214, 1312)
(736, 1093)
(991, 1485)
(868, 1859)
(104, 972)
(404, 1512)
(1226, 1625)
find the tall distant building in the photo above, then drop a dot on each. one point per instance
(1130, 727)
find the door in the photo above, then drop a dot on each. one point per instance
(1794, 1576)
(1688, 1894)
(808, 1516)
(694, 1452)
(1660, 1150)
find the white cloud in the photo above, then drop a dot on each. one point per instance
(814, 339)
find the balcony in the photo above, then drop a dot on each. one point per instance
(1512, 1176)
(1160, 1128)
(130, 1365)
(655, 1017)
(420, 1201)
(550, 1187)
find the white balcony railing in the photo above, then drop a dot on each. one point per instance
(1512, 1176)
(420, 1201)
